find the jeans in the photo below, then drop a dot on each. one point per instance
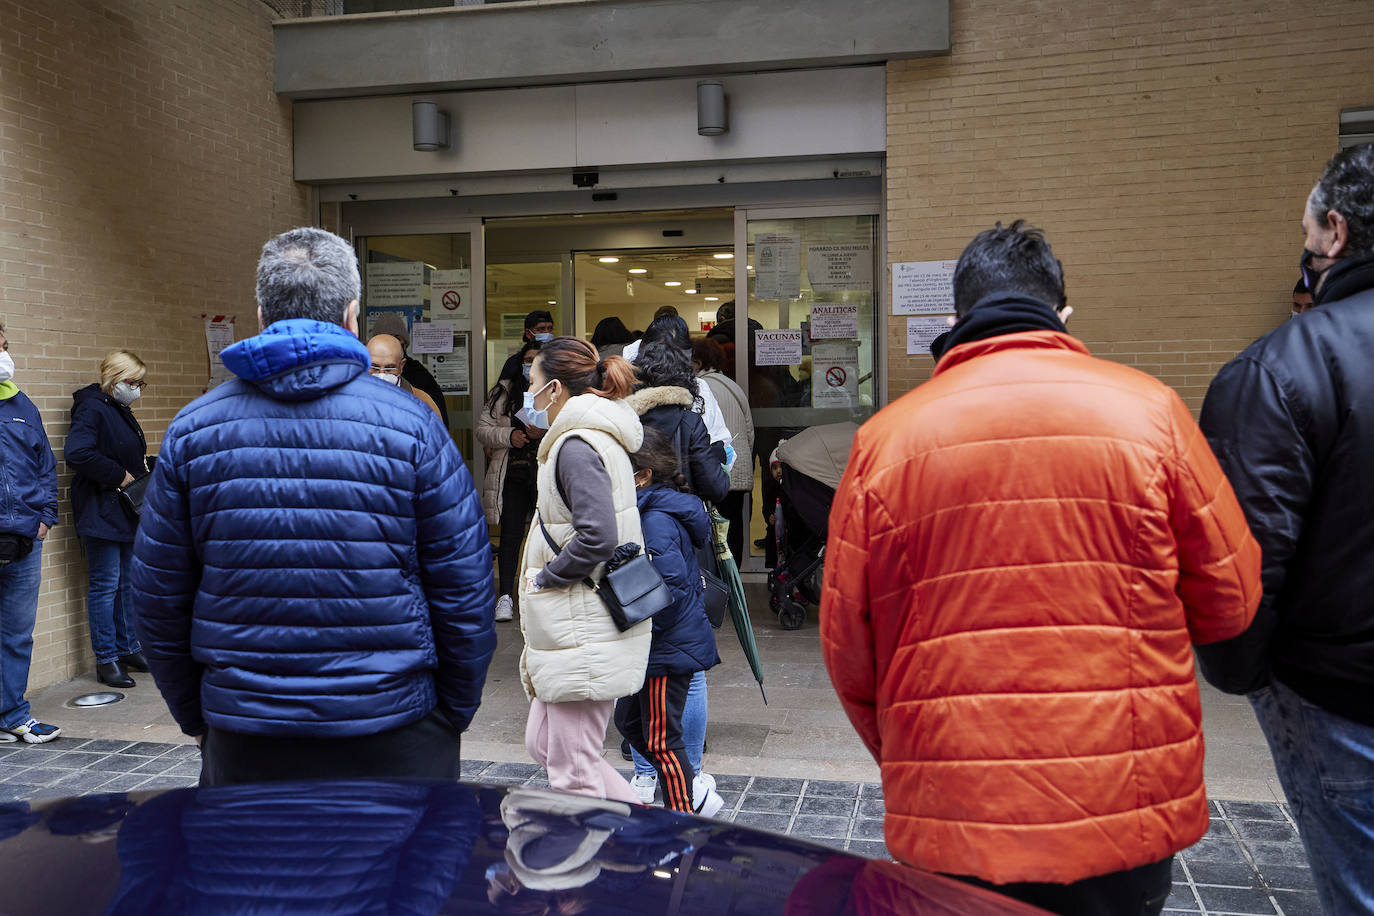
(108, 603)
(19, 583)
(693, 728)
(1326, 766)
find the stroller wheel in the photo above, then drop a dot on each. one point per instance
(791, 614)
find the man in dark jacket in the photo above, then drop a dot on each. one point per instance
(1292, 422)
(28, 508)
(312, 573)
(412, 370)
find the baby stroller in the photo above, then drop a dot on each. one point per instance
(812, 463)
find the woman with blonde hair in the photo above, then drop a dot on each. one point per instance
(576, 663)
(106, 451)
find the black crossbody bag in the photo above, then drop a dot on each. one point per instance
(632, 589)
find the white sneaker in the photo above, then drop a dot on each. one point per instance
(645, 787)
(505, 609)
(706, 801)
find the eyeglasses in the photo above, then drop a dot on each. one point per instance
(388, 370)
(140, 384)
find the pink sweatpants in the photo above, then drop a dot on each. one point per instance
(567, 739)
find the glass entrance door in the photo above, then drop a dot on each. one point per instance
(808, 352)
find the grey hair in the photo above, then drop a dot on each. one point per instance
(307, 273)
(1347, 186)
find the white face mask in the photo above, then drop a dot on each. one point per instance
(6, 366)
(125, 393)
(387, 377)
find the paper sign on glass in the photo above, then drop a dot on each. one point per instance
(452, 369)
(840, 267)
(395, 283)
(777, 267)
(834, 321)
(431, 337)
(778, 348)
(835, 373)
(450, 294)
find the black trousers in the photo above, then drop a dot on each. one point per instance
(518, 495)
(651, 721)
(426, 749)
(732, 507)
(1135, 892)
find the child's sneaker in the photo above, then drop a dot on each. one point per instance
(32, 732)
(706, 801)
(645, 787)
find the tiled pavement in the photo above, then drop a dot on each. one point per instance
(1250, 862)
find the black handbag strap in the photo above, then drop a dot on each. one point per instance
(548, 538)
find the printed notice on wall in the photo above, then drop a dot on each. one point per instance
(452, 369)
(835, 373)
(396, 283)
(450, 294)
(923, 287)
(834, 321)
(840, 267)
(431, 337)
(777, 267)
(921, 332)
(219, 333)
(778, 348)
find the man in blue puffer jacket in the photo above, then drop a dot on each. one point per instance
(312, 574)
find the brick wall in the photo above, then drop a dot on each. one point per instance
(1166, 147)
(144, 159)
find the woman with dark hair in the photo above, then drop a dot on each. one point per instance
(611, 336)
(672, 330)
(708, 358)
(683, 646)
(669, 398)
(508, 489)
(576, 663)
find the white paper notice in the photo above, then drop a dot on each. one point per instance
(835, 373)
(777, 267)
(834, 321)
(922, 331)
(778, 348)
(395, 283)
(923, 287)
(452, 370)
(840, 267)
(218, 335)
(431, 337)
(450, 294)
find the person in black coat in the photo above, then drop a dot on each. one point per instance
(106, 451)
(675, 527)
(665, 402)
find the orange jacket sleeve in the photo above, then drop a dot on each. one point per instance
(1218, 558)
(846, 634)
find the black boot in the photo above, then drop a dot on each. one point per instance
(112, 674)
(134, 661)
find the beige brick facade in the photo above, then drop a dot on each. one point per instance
(144, 159)
(1166, 147)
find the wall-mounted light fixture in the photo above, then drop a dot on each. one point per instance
(428, 126)
(713, 117)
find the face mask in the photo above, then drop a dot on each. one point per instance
(125, 393)
(387, 377)
(529, 415)
(543, 338)
(525, 371)
(729, 456)
(1310, 275)
(6, 366)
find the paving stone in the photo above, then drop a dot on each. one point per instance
(1299, 903)
(7, 750)
(1235, 900)
(184, 751)
(1288, 877)
(470, 768)
(520, 770)
(1265, 830)
(831, 807)
(105, 746)
(1254, 811)
(731, 799)
(732, 783)
(1234, 874)
(1181, 898)
(155, 766)
(162, 783)
(869, 848)
(123, 782)
(774, 785)
(82, 782)
(1276, 853)
(1214, 849)
(871, 807)
(832, 788)
(814, 827)
(868, 829)
(1180, 877)
(774, 804)
(118, 763)
(189, 768)
(41, 776)
(73, 760)
(148, 749)
(10, 773)
(760, 821)
(871, 790)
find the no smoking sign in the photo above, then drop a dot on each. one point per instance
(835, 376)
(451, 300)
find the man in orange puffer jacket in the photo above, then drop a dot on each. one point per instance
(1021, 554)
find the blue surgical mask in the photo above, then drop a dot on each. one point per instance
(529, 415)
(543, 338)
(525, 371)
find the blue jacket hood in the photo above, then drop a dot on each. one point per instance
(298, 359)
(684, 507)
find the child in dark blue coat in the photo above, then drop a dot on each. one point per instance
(675, 524)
